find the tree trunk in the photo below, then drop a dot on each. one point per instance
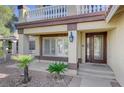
(57, 76)
(26, 76)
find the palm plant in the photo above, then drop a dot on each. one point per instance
(57, 68)
(24, 61)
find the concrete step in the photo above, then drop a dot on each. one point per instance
(96, 70)
(93, 71)
(81, 74)
(101, 67)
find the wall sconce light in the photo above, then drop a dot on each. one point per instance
(71, 37)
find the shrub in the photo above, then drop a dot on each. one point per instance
(24, 61)
(57, 68)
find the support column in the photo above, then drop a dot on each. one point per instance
(79, 45)
(70, 8)
(5, 49)
(14, 47)
(72, 47)
(23, 44)
(37, 45)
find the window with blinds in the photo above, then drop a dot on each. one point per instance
(55, 46)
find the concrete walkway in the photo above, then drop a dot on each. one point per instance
(89, 75)
(37, 65)
(42, 65)
(97, 75)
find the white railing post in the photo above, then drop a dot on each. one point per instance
(94, 8)
(90, 9)
(98, 8)
(104, 8)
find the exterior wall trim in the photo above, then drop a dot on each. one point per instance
(111, 12)
(71, 27)
(109, 9)
(73, 66)
(65, 59)
(65, 20)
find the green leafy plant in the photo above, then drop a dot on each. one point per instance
(57, 68)
(24, 61)
(1, 53)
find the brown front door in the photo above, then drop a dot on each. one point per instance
(96, 47)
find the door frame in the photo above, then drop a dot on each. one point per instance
(104, 61)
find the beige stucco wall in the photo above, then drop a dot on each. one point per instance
(46, 30)
(116, 48)
(95, 26)
(37, 40)
(38, 45)
(79, 41)
(23, 44)
(83, 47)
(73, 48)
(86, 26)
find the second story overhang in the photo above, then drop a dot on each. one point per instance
(98, 16)
(60, 14)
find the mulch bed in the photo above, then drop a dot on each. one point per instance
(38, 79)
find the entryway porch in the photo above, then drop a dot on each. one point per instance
(97, 75)
(93, 52)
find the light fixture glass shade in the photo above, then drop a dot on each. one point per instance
(71, 37)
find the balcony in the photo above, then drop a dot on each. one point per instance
(59, 11)
(48, 12)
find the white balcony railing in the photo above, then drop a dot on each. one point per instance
(59, 11)
(48, 12)
(85, 9)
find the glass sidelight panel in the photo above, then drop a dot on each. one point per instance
(66, 46)
(53, 46)
(60, 47)
(46, 46)
(98, 47)
(88, 48)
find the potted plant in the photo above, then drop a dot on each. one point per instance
(24, 61)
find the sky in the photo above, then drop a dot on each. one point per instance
(29, 6)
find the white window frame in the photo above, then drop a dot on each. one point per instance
(56, 38)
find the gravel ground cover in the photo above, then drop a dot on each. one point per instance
(11, 77)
